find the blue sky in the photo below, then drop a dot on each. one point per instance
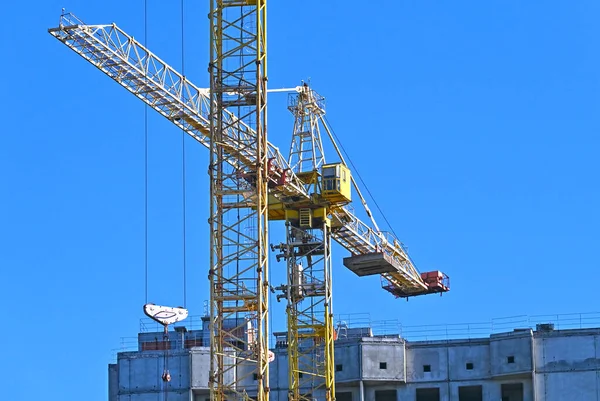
(474, 124)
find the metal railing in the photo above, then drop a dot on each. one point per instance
(468, 330)
(394, 328)
(126, 344)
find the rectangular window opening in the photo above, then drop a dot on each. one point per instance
(470, 393)
(428, 394)
(382, 365)
(345, 396)
(385, 395)
(469, 366)
(426, 368)
(512, 392)
(510, 359)
(339, 368)
(255, 376)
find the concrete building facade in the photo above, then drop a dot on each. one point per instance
(521, 365)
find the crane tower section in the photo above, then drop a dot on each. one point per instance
(307, 253)
(306, 151)
(238, 188)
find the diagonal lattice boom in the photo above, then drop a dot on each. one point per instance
(146, 76)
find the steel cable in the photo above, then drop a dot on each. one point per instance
(359, 177)
(183, 135)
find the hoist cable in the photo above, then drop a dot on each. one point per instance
(166, 374)
(355, 170)
(183, 135)
(146, 164)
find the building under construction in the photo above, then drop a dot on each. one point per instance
(253, 184)
(541, 364)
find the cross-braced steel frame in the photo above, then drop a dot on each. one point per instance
(309, 312)
(306, 150)
(239, 236)
(308, 256)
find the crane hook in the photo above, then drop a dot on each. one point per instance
(166, 376)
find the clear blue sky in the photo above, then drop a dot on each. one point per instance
(474, 124)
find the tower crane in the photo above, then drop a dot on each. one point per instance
(252, 183)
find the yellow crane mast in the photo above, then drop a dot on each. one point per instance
(307, 252)
(239, 223)
(252, 182)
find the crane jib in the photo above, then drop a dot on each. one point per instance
(146, 76)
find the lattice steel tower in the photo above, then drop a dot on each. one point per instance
(239, 240)
(306, 151)
(307, 252)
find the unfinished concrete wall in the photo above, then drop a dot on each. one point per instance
(572, 386)
(139, 376)
(469, 362)
(113, 382)
(558, 365)
(450, 365)
(200, 367)
(278, 372)
(383, 360)
(347, 361)
(426, 362)
(567, 365)
(511, 353)
(199, 370)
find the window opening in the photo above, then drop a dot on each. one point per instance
(512, 392)
(385, 395)
(470, 393)
(428, 394)
(345, 396)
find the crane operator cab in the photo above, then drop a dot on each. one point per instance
(336, 183)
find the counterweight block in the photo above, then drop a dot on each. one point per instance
(370, 264)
